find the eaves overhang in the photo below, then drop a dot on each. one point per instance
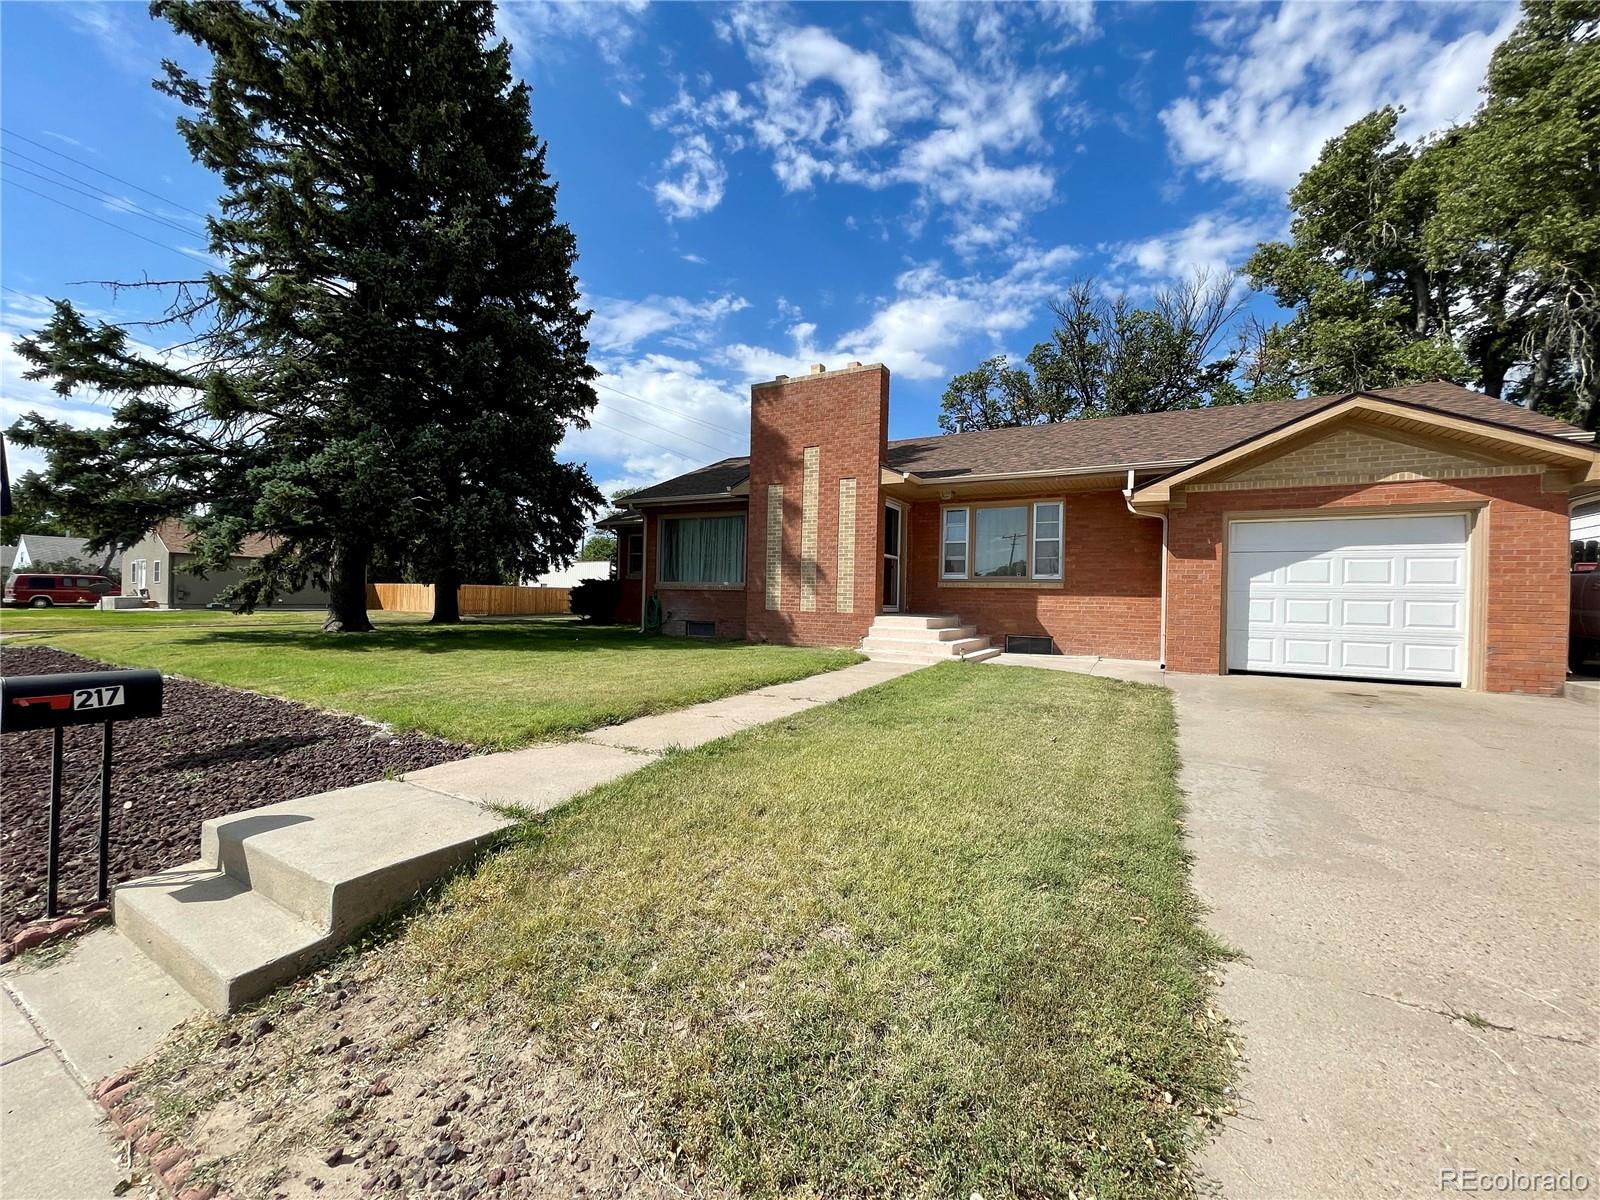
(1565, 450)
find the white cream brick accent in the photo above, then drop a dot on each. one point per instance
(774, 546)
(845, 597)
(1356, 456)
(809, 497)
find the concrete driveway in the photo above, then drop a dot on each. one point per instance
(1413, 875)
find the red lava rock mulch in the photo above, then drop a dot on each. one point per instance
(215, 750)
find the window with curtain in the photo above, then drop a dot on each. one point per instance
(1000, 543)
(702, 550)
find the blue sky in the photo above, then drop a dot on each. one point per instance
(756, 188)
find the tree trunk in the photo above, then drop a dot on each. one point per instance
(446, 597)
(347, 588)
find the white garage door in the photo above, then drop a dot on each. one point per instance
(1369, 597)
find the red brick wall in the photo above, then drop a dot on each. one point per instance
(1109, 600)
(725, 606)
(845, 414)
(630, 593)
(1526, 569)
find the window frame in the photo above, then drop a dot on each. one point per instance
(1032, 579)
(945, 543)
(630, 539)
(744, 557)
(155, 570)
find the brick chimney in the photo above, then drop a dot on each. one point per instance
(815, 549)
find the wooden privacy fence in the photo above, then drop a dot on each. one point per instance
(475, 599)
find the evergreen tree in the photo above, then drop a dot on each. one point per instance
(394, 350)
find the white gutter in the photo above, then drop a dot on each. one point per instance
(1050, 473)
(1127, 497)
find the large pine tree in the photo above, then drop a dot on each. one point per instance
(395, 348)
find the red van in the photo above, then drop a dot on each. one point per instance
(42, 591)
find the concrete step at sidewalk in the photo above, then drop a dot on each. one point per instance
(338, 860)
(935, 650)
(224, 943)
(928, 657)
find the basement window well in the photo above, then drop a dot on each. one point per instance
(1017, 643)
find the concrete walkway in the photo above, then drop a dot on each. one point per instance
(64, 1027)
(105, 1006)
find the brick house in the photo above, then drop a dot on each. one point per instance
(1416, 533)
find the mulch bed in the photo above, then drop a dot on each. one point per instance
(214, 751)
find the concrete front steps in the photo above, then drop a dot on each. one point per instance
(276, 887)
(925, 638)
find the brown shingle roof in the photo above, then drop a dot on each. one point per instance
(1175, 438)
(178, 537)
(719, 477)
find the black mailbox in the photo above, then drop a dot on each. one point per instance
(81, 698)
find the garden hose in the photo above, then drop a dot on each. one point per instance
(652, 614)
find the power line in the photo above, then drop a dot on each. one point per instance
(672, 432)
(132, 209)
(93, 217)
(657, 404)
(99, 171)
(636, 437)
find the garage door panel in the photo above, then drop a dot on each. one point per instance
(1368, 571)
(1317, 612)
(1380, 597)
(1433, 572)
(1422, 658)
(1433, 615)
(1366, 657)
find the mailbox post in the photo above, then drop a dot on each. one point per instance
(53, 702)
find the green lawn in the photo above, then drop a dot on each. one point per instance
(485, 684)
(61, 617)
(933, 939)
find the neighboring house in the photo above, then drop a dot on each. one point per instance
(571, 576)
(34, 549)
(1586, 521)
(1416, 533)
(8, 555)
(159, 565)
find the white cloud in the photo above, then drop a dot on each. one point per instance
(1285, 80)
(622, 324)
(1215, 244)
(535, 27)
(694, 178)
(660, 416)
(954, 113)
(931, 323)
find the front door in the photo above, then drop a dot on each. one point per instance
(894, 533)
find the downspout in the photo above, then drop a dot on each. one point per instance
(1127, 497)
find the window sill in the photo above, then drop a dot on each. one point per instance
(1036, 584)
(700, 587)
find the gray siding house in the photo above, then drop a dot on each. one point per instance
(160, 567)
